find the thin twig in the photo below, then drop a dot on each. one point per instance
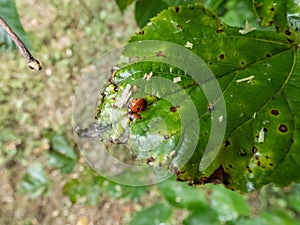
(32, 62)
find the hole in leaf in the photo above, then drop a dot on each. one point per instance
(210, 63)
(227, 143)
(268, 55)
(230, 166)
(177, 9)
(272, 9)
(271, 164)
(283, 128)
(275, 112)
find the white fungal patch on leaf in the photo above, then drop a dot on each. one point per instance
(123, 99)
(248, 79)
(247, 28)
(148, 76)
(189, 45)
(261, 136)
(176, 79)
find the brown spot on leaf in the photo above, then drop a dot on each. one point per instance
(287, 32)
(283, 128)
(150, 159)
(221, 56)
(160, 54)
(173, 109)
(218, 177)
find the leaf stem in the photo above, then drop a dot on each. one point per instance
(31, 61)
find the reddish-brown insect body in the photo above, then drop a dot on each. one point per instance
(137, 105)
(133, 116)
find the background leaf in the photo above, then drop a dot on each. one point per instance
(35, 182)
(123, 4)
(183, 196)
(8, 12)
(144, 10)
(62, 155)
(155, 214)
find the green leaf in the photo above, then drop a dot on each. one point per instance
(123, 4)
(273, 216)
(89, 186)
(205, 216)
(62, 155)
(145, 9)
(35, 182)
(155, 214)
(86, 187)
(183, 196)
(272, 12)
(258, 73)
(229, 205)
(8, 12)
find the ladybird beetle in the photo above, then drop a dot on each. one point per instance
(133, 116)
(137, 105)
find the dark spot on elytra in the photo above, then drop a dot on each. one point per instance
(287, 32)
(263, 166)
(267, 157)
(221, 56)
(242, 63)
(227, 143)
(268, 55)
(283, 128)
(177, 9)
(150, 159)
(254, 150)
(275, 112)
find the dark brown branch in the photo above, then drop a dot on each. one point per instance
(32, 62)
